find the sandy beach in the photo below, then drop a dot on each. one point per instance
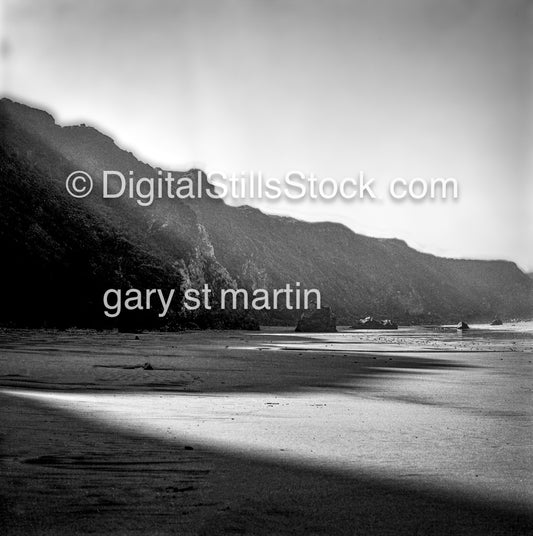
(419, 431)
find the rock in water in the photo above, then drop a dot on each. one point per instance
(317, 321)
(496, 322)
(462, 326)
(371, 323)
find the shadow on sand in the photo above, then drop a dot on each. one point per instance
(66, 475)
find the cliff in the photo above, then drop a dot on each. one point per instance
(60, 253)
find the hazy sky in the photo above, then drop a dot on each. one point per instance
(416, 88)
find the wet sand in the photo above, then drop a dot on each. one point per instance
(419, 431)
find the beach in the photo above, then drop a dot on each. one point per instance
(423, 430)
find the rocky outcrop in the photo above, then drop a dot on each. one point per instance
(371, 323)
(317, 321)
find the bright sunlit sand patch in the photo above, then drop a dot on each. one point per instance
(444, 447)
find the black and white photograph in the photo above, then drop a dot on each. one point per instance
(266, 267)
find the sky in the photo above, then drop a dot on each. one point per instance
(417, 88)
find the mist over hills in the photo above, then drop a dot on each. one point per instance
(60, 254)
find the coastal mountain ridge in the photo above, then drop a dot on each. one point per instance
(61, 253)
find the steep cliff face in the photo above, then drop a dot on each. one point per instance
(359, 275)
(60, 254)
(55, 245)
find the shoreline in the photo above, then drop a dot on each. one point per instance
(386, 433)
